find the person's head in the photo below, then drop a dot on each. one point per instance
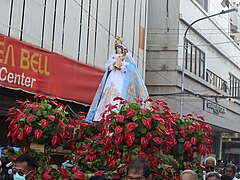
(210, 164)
(24, 168)
(226, 177)
(5, 154)
(230, 170)
(97, 178)
(213, 176)
(221, 164)
(139, 169)
(119, 49)
(188, 175)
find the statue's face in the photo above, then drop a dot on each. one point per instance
(119, 50)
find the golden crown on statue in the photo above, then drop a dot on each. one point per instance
(118, 40)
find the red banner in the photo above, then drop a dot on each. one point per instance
(32, 69)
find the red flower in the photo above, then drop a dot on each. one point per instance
(169, 170)
(183, 132)
(27, 130)
(79, 175)
(130, 113)
(149, 136)
(118, 98)
(112, 164)
(30, 118)
(130, 138)
(63, 172)
(44, 123)
(197, 125)
(156, 108)
(25, 149)
(157, 140)
(187, 145)
(193, 140)
(127, 158)
(142, 154)
(147, 123)
(20, 135)
(131, 126)
(159, 131)
(191, 128)
(51, 118)
(38, 134)
(55, 140)
(118, 140)
(187, 167)
(99, 173)
(138, 100)
(120, 118)
(118, 130)
(144, 142)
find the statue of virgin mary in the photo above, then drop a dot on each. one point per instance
(121, 79)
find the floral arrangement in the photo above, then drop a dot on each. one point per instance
(43, 122)
(171, 143)
(128, 130)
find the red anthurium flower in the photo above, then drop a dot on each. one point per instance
(183, 132)
(159, 131)
(38, 134)
(149, 136)
(187, 145)
(44, 123)
(25, 149)
(191, 128)
(130, 138)
(143, 110)
(130, 113)
(138, 100)
(46, 176)
(99, 173)
(118, 140)
(118, 130)
(120, 118)
(161, 102)
(156, 108)
(61, 124)
(127, 158)
(51, 117)
(36, 107)
(55, 140)
(27, 130)
(20, 135)
(157, 140)
(142, 154)
(112, 164)
(187, 167)
(147, 123)
(144, 142)
(30, 117)
(118, 98)
(79, 175)
(131, 126)
(197, 125)
(193, 140)
(63, 172)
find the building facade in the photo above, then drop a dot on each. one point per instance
(67, 34)
(202, 76)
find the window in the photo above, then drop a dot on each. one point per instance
(216, 81)
(195, 60)
(204, 4)
(234, 86)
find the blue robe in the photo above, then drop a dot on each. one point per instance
(133, 87)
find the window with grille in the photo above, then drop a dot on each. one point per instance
(194, 59)
(234, 86)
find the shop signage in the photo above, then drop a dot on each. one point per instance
(215, 107)
(30, 68)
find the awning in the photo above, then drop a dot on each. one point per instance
(32, 69)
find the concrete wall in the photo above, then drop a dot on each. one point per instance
(165, 55)
(81, 29)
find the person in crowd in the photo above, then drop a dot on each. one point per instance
(213, 176)
(139, 168)
(230, 170)
(97, 178)
(225, 177)
(6, 164)
(188, 175)
(24, 168)
(209, 166)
